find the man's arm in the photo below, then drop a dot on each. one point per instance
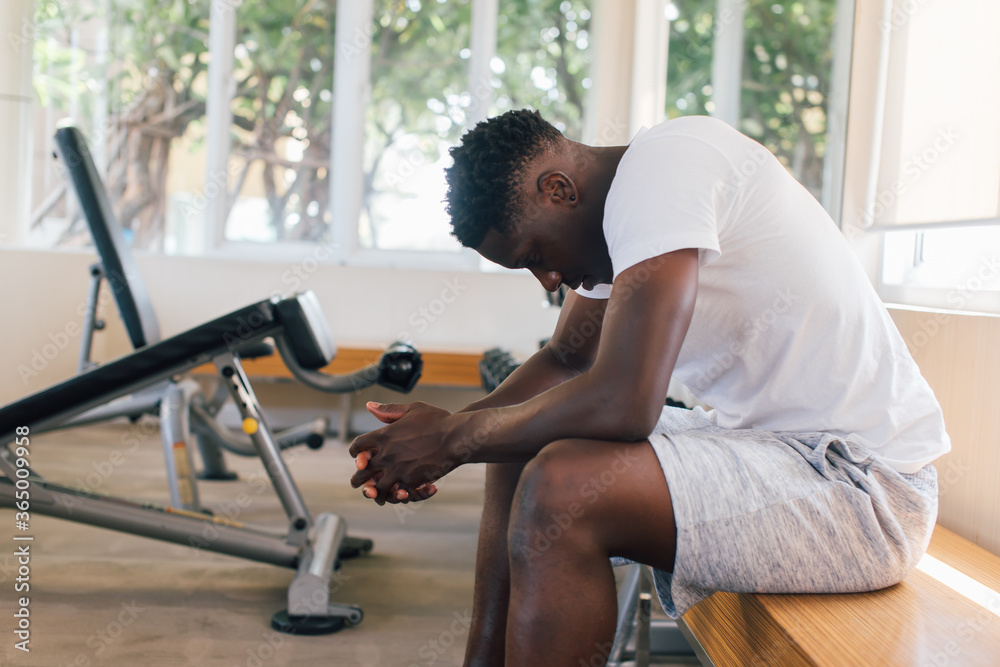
(618, 398)
(570, 352)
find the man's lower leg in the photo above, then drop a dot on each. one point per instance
(492, 591)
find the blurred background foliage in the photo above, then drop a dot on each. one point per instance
(787, 64)
(142, 65)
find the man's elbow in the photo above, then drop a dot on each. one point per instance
(633, 420)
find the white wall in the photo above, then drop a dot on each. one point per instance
(16, 96)
(44, 293)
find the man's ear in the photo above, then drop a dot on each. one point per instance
(557, 186)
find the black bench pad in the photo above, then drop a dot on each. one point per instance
(140, 368)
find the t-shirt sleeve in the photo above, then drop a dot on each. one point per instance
(671, 192)
(599, 292)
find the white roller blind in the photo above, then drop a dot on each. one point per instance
(940, 157)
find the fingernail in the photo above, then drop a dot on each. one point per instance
(374, 404)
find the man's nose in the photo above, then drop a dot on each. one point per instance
(550, 280)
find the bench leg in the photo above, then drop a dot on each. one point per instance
(175, 434)
(639, 638)
(310, 611)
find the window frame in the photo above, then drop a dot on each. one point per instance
(352, 93)
(866, 119)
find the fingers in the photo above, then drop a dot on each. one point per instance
(362, 476)
(358, 445)
(397, 494)
(423, 492)
(387, 412)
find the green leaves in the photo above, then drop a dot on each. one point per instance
(786, 75)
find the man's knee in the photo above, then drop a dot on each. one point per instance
(549, 505)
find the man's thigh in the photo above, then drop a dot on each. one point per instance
(613, 493)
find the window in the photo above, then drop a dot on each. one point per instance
(543, 60)
(936, 200)
(427, 87)
(420, 53)
(131, 76)
(282, 78)
(269, 127)
(768, 67)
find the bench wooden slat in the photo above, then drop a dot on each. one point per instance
(920, 621)
(447, 369)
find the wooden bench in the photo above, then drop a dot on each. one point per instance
(947, 612)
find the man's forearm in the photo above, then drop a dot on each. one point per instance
(542, 371)
(585, 406)
(618, 398)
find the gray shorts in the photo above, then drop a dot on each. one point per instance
(763, 512)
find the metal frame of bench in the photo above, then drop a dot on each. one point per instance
(311, 545)
(638, 637)
(181, 407)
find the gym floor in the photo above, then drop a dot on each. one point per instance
(99, 597)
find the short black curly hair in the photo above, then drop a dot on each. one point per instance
(489, 165)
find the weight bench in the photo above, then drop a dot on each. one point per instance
(311, 545)
(180, 405)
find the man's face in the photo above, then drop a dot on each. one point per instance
(553, 241)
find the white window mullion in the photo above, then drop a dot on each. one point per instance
(649, 64)
(727, 60)
(218, 120)
(15, 108)
(483, 45)
(836, 111)
(878, 120)
(351, 94)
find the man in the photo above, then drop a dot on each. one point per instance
(692, 253)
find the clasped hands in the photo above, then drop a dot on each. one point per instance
(401, 461)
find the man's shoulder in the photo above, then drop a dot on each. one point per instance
(706, 128)
(684, 141)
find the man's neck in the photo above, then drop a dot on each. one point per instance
(602, 165)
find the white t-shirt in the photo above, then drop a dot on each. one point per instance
(787, 333)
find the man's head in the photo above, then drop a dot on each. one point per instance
(484, 184)
(524, 196)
